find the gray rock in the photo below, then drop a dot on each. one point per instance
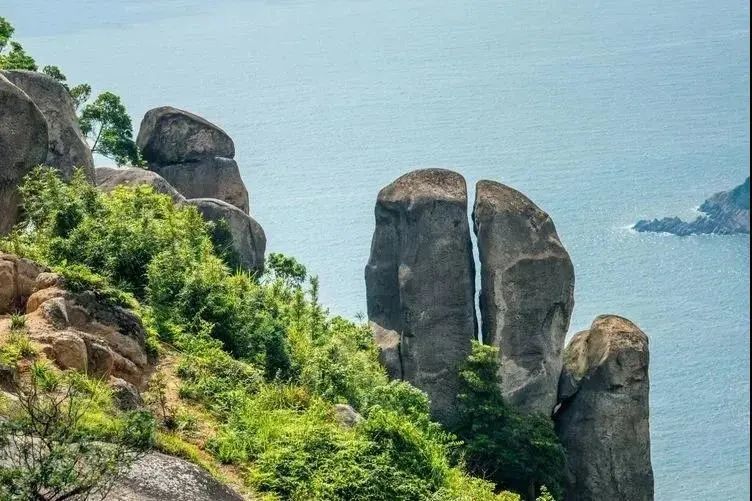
(420, 282)
(346, 416)
(157, 477)
(126, 395)
(248, 239)
(168, 136)
(725, 213)
(67, 146)
(209, 178)
(603, 418)
(526, 298)
(108, 178)
(23, 145)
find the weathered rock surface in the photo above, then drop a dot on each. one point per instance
(23, 145)
(603, 416)
(108, 178)
(67, 147)
(158, 477)
(420, 281)
(248, 238)
(168, 135)
(215, 177)
(725, 213)
(76, 330)
(526, 297)
(346, 416)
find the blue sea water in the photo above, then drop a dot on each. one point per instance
(602, 111)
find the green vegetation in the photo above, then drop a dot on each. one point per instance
(519, 452)
(63, 440)
(259, 365)
(105, 122)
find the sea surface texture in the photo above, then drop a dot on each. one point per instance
(602, 111)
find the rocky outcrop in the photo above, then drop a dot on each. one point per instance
(157, 477)
(246, 237)
(193, 155)
(168, 136)
(67, 147)
(23, 145)
(420, 282)
(108, 178)
(526, 297)
(602, 420)
(725, 213)
(76, 330)
(209, 178)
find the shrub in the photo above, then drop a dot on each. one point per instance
(516, 451)
(47, 448)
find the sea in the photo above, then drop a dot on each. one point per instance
(602, 111)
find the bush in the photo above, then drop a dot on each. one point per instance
(516, 451)
(48, 446)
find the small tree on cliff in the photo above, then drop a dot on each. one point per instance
(107, 125)
(516, 451)
(15, 58)
(46, 451)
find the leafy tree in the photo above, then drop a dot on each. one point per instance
(80, 94)
(46, 451)
(54, 72)
(515, 450)
(6, 31)
(107, 125)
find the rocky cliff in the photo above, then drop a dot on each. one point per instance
(421, 283)
(724, 213)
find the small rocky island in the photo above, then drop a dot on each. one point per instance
(724, 213)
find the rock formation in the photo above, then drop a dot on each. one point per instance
(526, 298)
(420, 282)
(193, 155)
(248, 241)
(75, 329)
(23, 145)
(209, 178)
(602, 420)
(725, 213)
(67, 147)
(108, 178)
(157, 477)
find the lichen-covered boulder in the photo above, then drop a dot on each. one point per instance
(247, 240)
(168, 135)
(526, 297)
(23, 145)
(158, 477)
(420, 282)
(603, 415)
(67, 147)
(108, 178)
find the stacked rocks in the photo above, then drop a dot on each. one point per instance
(191, 160)
(193, 155)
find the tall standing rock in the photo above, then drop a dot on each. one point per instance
(526, 298)
(23, 145)
(67, 147)
(603, 418)
(193, 155)
(420, 283)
